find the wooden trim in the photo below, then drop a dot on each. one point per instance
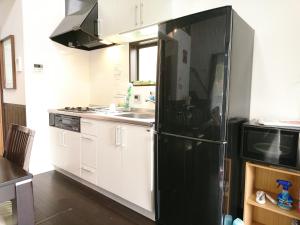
(136, 46)
(12, 39)
(13, 113)
(1, 104)
(249, 180)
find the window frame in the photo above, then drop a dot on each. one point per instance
(134, 48)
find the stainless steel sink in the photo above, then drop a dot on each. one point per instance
(137, 115)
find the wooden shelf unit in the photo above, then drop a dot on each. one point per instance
(274, 208)
(264, 178)
(254, 223)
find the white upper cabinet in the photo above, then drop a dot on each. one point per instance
(119, 16)
(155, 11)
(182, 8)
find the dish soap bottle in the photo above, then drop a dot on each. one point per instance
(285, 200)
(128, 97)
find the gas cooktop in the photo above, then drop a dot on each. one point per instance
(83, 109)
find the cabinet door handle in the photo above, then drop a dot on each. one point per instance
(63, 139)
(152, 169)
(86, 122)
(136, 15)
(123, 132)
(118, 136)
(141, 12)
(87, 169)
(86, 138)
(99, 24)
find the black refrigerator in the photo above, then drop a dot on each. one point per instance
(203, 96)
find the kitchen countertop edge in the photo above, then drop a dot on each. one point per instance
(103, 117)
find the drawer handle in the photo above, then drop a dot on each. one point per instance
(86, 122)
(87, 169)
(86, 138)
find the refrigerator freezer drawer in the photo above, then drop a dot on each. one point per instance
(190, 179)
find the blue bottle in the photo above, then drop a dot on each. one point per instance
(238, 221)
(227, 220)
(285, 200)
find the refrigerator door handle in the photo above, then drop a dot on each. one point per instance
(193, 139)
(201, 136)
(198, 143)
(188, 147)
(161, 43)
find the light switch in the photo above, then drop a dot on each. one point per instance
(38, 67)
(19, 64)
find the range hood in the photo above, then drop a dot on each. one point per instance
(79, 29)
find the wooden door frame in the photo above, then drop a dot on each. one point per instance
(1, 102)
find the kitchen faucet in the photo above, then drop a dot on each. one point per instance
(151, 98)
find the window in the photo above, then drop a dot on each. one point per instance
(143, 62)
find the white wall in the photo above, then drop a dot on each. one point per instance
(64, 80)
(11, 21)
(276, 75)
(109, 73)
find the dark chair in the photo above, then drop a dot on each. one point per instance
(18, 145)
(17, 149)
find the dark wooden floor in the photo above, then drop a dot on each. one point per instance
(61, 201)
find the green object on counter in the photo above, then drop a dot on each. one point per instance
(127, 105)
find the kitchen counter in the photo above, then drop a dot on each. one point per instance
(105, 151)
(115, 117)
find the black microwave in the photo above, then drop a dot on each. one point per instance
(278, 146)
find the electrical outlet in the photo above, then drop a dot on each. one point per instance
(137, 98)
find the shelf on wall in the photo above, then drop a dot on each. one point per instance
(293, 213)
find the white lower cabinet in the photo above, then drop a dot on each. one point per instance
(125, 162)
(137, 160)
(66, 150)
(89, 152)
(117, 157)
(110, 158)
